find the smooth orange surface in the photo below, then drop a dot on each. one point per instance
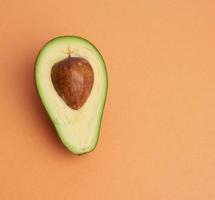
(158, 132)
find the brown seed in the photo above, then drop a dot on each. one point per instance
(79, 63)
(73, 80)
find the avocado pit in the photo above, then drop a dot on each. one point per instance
(73, 80)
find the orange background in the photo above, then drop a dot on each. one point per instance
(158, 132)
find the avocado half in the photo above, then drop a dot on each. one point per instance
(64, 68)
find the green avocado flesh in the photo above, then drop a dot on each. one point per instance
(78, 129)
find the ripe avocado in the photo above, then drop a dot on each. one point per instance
(71, 80)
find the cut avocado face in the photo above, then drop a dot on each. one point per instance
(71, 80)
